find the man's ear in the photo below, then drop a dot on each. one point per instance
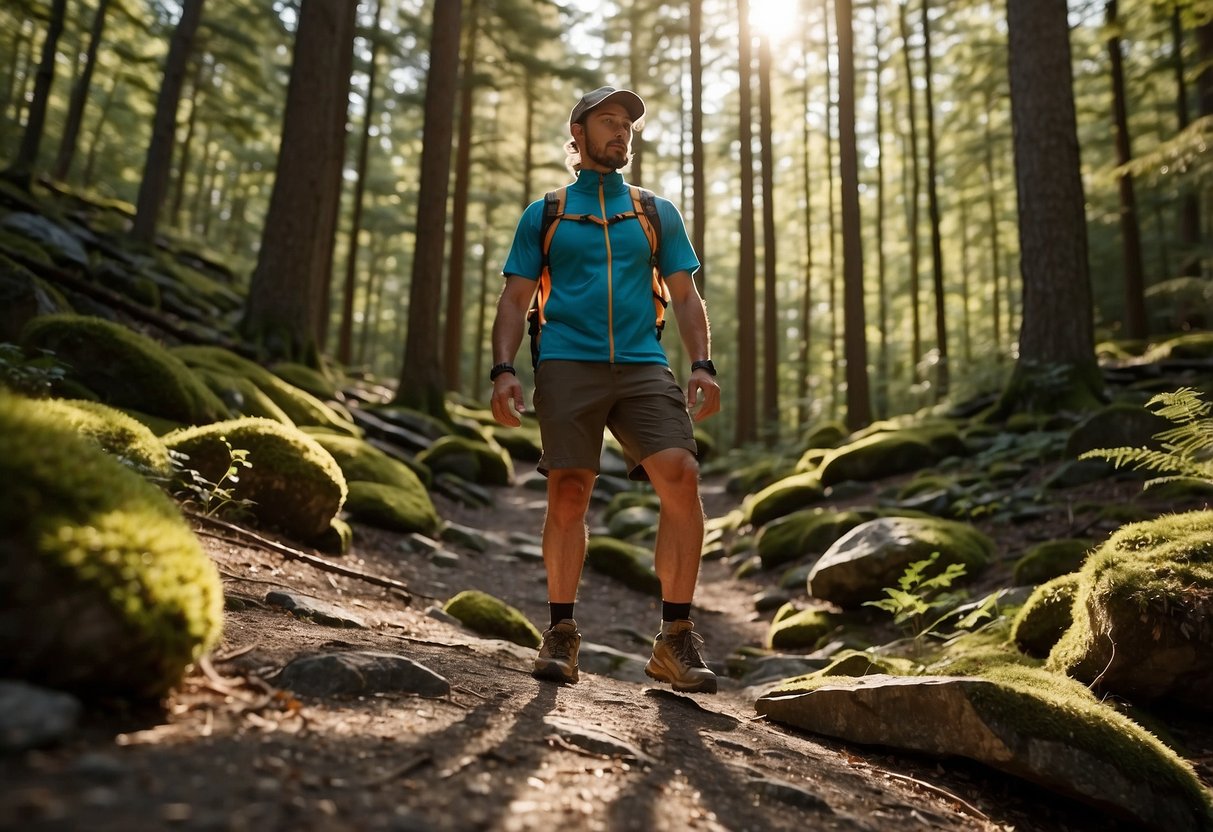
(577, 130)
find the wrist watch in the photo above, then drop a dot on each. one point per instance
(704, 364)
(498, 369)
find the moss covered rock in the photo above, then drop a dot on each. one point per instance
(874, 555)
(489, 616)
(241, 396)
(316, 382)
(301, 407)
(888, 453)
(293, 483)
(391, 507)
(359, 460)
(106, 590)
(1050, 559)
(125, 369)
(782, 497)
(1143, 613)
(801, 630)
(473, 460)
(627, 563)
(809, 531)
(1045, 616)
(23, 297)
(115, 432)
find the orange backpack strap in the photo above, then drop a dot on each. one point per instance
(644, 203)
(553, 212)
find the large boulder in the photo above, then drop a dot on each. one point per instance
(104, 589)
(627, 563)
(873, 555)
(782, 497)
(125, 369)
(391, 507)
(1045, 616)
(293, 484)
(490, 616)
(475, 460)
(1143, 614)
(1027, 723)
(890, 452)
(23, 297)
(809, 531)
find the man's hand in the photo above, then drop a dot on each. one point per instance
(701, 381)
(507, 390)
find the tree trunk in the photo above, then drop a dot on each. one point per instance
(154, 184)
(284, 314)
(699, 188)
(346, 327)
(832, 339)
(1130, 232)
(882, 360)
(1189, 206)
(859, 404)
(187, 146)
(90, 156)
(453, 334)
(995, 242)
(80, 90)
(21, 172)
(421, 377)
(941, 314)
(912, 208)
(746, 428)
(803, 390)
(1056, 367)
(770, 311)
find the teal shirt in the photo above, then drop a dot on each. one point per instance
(601, 304)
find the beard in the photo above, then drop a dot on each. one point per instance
(608, 155)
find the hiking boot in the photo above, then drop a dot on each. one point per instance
(676, 659)
(557, 659)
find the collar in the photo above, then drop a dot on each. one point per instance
(588, 181)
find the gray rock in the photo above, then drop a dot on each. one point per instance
(1027, 735)
(321, 612)
(607, 661)
(461, 535)
(31, 716)
(360, 672)
(633, 521)
(595, 741)
(59, 243)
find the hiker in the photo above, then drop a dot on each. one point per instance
(601, 284)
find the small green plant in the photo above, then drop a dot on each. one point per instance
(34, 376)
(213, 498)
(1187, 448)
(918, 594)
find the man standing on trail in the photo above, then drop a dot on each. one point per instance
(593, 254)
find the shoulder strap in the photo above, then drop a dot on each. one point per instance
(553, 210)
(644, 203)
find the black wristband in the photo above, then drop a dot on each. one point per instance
(498, 369)
(704, 364)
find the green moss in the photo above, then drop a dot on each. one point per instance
(360, 460)
(115, 432)
(306, 378)
(1045, 617)
(802, 630)
(337, 540)
(890, 452)
(300, 406)
(523, 443)
(294, 483)
(23, 297)
(469, 459)
(1143, 614)
(106, 590)
(242, 397)
(864, 663)
(391, 507)
(1050, 559)
(489, 616)
(1198, 345)
(124, 368)
(782, 497)
(625, 562)
(16, 244)
(805, 532)
(826, 435)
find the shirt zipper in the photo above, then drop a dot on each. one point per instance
(606, 236)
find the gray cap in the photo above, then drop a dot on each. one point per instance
(630, 101)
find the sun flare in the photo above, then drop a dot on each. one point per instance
(774, 19)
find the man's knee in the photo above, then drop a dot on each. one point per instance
(674, 473)
(569, 492)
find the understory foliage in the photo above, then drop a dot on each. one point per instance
(1187, 448)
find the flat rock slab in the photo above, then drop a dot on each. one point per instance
(31, 716)
(321, 612)
(358, 672)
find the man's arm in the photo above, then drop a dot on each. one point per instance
(693, 328)
(508, 328)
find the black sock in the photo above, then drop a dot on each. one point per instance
(675, 612)
(560, 612)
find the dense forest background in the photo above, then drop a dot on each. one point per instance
(875, 239)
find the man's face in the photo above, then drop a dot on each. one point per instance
(606, 143)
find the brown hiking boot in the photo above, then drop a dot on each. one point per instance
(557, 659)
(676, 659)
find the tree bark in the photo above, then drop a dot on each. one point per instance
(421, 378)
(770, 324)
(285, 307)
(1189, 206)
(746, 428)
(80, 90)
(941, 314)
(21, 172)
(1056, 367)
(699, 188)
(154, 184)
(859, 403)
(912, 208)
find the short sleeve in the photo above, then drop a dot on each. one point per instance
(677, 254)
(526, 256)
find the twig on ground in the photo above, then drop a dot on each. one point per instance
(939, 791)
(295, 554)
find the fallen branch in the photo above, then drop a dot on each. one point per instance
(305, 557)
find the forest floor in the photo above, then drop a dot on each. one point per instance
(229, 751)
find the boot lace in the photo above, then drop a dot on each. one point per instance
(685, 646)
(558, 643)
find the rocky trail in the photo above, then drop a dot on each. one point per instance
(457, 735)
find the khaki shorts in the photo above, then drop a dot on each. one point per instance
(642, 405)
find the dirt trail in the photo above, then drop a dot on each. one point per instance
(230, 752)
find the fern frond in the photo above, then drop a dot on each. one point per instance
(1183, 406)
